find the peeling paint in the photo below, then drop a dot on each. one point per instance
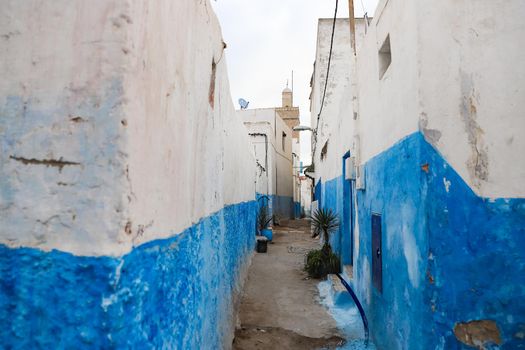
(447, 184)
(466, 241)
(431, 135)
(478, 162)
(480, 334)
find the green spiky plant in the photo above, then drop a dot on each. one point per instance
(263, 218)
(321, 262)
(325, 222)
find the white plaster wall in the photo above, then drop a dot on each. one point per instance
(262, 121)
(154, 161)
(266, 120)
(388, 107)
(264, 155)
(454, 76)
(61, 100)
(472, 89)
(193, 158)
(335, 123)
(306, 195)
(296, 169)
(258, 115)
(283, 159)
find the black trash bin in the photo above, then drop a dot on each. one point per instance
(262, 244)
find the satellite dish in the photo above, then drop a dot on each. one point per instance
(243, 103)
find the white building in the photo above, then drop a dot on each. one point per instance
(272, 144)
(306, 195)
(419, 150)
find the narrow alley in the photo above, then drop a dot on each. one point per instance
(280, 307)
(262, 174)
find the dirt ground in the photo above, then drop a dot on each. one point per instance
(279, 308)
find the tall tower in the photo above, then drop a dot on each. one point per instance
(287, 97)
(288, 112)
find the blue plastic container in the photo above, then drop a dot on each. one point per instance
(267, 233)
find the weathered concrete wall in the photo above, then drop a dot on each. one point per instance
(473, 112)
(472, 116)
(438, 146)
(127, 184)
(61, 126)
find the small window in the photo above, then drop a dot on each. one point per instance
(324, 151)
(385, 57)
(284, 141)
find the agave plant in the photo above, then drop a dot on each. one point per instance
(325, 221)
(263, 218)
(321, 262)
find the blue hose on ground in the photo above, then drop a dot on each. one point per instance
(359, 307)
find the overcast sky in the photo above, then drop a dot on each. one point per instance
(267, 39)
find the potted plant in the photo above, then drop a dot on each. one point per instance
(263, 222)
(321, 262)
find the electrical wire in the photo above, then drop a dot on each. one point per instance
(363, 7)
(327, 76)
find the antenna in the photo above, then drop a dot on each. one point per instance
(243, 103)
(292, 87)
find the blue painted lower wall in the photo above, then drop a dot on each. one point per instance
(297, 210)
(175, 293)
(479, 245)
(331, 197)
(282, 206)
(449, 256)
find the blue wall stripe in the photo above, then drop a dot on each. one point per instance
(449, 255)
(173, 293)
